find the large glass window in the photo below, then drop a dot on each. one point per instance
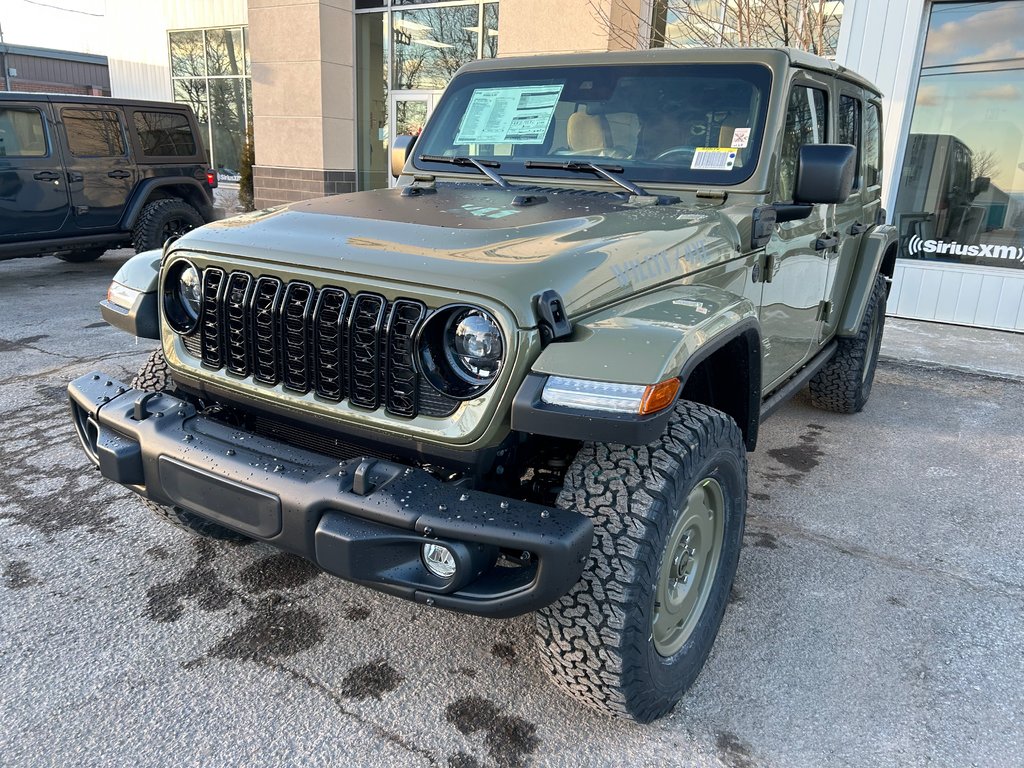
(210, 72)
(22, 133)
(93, 132)
(806, 123)
(164, 134)
(961, 190)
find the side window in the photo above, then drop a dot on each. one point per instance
(164, 134)
(849, 128)
(806, 123)
(93, 132)
(872, 145)
(22, 133)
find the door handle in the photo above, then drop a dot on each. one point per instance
(46, 176)
(857, 228)
(118, 174)
(826, 243)
(74, 176)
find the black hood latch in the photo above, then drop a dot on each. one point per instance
(551, 317)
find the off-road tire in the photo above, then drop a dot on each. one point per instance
(155, 376)
(844, 384)
(597, 640)
(81, 257)
(151, 228)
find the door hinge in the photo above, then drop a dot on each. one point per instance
(81, 210)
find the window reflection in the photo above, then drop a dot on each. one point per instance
(430, 45)
(961, 193)
(210, 73)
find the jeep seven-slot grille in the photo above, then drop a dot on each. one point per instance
(326, 341)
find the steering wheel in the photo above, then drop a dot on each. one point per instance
(675, 150)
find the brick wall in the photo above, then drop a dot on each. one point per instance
(274, 186)
(21, 85)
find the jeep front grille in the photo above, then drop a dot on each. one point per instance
(327, 341)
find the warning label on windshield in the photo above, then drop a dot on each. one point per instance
(515, 115)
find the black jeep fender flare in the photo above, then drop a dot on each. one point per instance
(195, 195)
(872, 259)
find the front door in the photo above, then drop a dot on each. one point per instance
(409, 112)
(101, 174)
(33, 192)
(796, 263)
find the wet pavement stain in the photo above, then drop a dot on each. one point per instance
(95, 325)
(798, 459)
(12, 345)
(61, 495)
(280, 571)
(18, 575)
(357, 613)
(504, 651)
(199, 584)
(463, 760)
(158, 552)
(733, 752)
(371, 680)
(510, 740)
(275, 630)
(760, 496)
(764, 539)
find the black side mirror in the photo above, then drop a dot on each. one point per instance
(401, 148)
(825, 173)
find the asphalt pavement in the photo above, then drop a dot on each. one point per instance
(876, 619)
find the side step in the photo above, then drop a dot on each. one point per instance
(799, 380)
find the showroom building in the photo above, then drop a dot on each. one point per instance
(324, 84)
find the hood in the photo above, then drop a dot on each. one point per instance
(594, 248)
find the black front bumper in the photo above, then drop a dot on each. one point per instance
(364, 520)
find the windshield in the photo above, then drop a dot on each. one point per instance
(677, 123)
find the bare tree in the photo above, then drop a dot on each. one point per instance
(811, 25)
(984, 164)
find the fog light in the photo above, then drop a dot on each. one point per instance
(439, 561)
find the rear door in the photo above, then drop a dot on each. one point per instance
(33, 193)
(101, 173)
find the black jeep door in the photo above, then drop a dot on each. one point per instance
(33, 192)
(101, 173)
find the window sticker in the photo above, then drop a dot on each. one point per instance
(514, 115)
(740, 137)
(713, 159)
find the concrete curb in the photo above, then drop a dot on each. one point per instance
(931, 365)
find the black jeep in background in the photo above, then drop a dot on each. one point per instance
(80, 175)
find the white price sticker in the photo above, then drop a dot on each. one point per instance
(515, 115)
(713, 159)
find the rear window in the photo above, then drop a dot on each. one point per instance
(93, 132)
(22, 133)
(165, 134)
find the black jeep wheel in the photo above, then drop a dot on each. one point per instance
(631, 637)
(844, 384)
(155, 376)
(83, 256)
(162, 220)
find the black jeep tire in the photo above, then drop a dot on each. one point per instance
(161, 220)
(844, 384)
(155, 376)
(83, 256)
(599, 640)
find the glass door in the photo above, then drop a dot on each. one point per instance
(409, 112)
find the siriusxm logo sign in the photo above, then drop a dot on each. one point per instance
(918, 245)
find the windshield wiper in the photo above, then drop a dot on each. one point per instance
(484, 166)
(610, 172)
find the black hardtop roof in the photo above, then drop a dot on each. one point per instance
(92, 100)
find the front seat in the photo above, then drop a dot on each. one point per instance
(588, 134)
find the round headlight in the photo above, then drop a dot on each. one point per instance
(473, 340)
(461, 351)
(183, 297)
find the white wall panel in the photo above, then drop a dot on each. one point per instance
(137, 31)
(964, 294)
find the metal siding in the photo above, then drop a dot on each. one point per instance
(964, 294)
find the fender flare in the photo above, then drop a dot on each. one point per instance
(140, 273)
(148, 186)
(873, 249)
(675, 337)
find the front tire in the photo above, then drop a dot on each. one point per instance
(155, 376)
(844, 384)
(161, 220)
(633, 634)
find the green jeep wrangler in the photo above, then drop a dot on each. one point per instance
(526, 378)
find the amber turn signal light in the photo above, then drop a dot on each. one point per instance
(658, 397)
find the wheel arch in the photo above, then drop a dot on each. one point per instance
(177, 187)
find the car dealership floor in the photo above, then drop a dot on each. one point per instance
(876, 619)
